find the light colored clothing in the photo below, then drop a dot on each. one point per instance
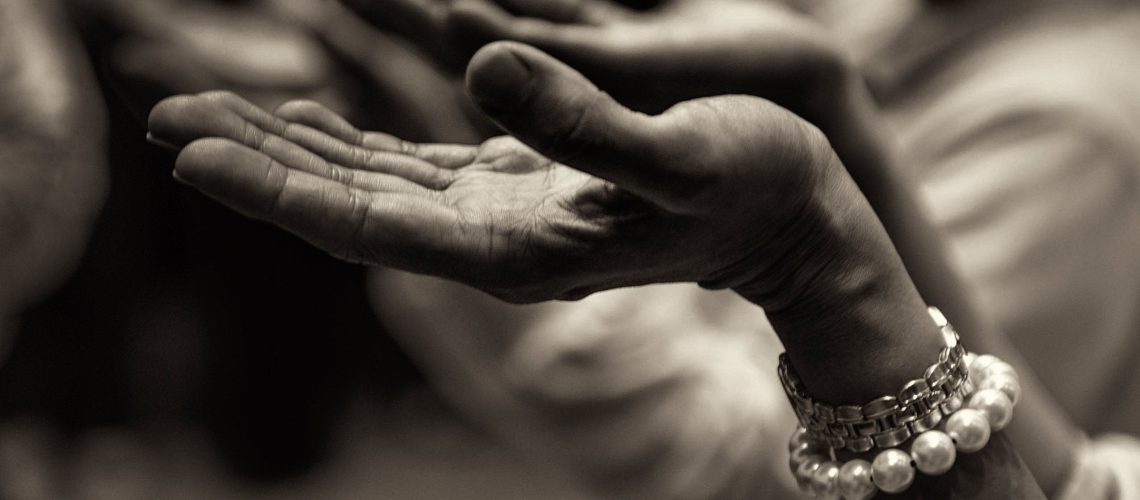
(1022, 125)
(661, 392)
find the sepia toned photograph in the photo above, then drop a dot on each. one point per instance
(570, 249)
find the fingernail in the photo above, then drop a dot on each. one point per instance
(498, 76)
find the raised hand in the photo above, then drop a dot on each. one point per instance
(648, 59)
(278, 50)
(720, 191)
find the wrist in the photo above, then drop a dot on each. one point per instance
(840, 299)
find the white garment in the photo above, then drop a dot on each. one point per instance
(1021, 125)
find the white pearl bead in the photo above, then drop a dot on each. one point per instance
(892, 471)
(804, 473)
(968, 387)
(933, 452)
(799, 437)
(825, 481)
(1009, 385)
(953, 403)
(969, 428)
(855, 480)
(981, 362)
(805, 451)
(1000, 367)
(997, 407)
(968, 359)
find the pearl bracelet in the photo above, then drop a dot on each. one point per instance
(988, 409)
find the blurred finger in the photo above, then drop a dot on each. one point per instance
(478, 22)
(568, 11)
(420, 21)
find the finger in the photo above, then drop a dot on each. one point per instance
(184, 119)
(254, 125)
(350, 223)
(475, 23)
(316, 115)
(297, 157)
(449, 156)
(319, 117)
(420, 21)
(248, 111)
(559, 113)
(568, 11)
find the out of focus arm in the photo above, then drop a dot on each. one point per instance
(52, 170)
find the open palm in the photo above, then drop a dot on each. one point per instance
(714, 190)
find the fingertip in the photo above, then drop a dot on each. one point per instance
(213, 163)
(181, 119)
(166, 119)
(499, 75)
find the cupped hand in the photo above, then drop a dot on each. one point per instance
(587, 195)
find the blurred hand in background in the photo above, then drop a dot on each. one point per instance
(271, 51)
(53, 175)
(648, 59)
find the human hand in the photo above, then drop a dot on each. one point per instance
(718, 191)
(273, 51)
(680, 50)
(53, 176)
(508, 220)
(647, 59)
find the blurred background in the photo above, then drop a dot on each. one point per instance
(194, 353)
(154, 344)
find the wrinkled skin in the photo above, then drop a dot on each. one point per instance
(649, 199)
(53, 175)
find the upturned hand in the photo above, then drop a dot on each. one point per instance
(587, 195)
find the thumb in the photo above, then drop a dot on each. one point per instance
(555, 110)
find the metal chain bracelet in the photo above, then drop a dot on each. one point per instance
(890, 420)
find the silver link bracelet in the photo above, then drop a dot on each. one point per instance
(888, 421)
